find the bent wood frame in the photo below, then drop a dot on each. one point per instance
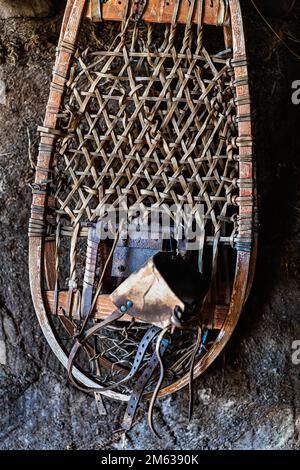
(245, 262)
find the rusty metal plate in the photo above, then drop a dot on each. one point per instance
(130, 255)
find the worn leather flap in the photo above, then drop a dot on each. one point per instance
(165, 283)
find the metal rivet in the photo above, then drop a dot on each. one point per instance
(129, 303)
(123, 308)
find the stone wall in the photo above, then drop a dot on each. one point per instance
(249, 398)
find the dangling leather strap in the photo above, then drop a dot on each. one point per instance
(143, 346)
(79, 343)
(96, 14)
(191, 373)
(141, 383)
(137, 9)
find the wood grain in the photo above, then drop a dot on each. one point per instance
(161, 11)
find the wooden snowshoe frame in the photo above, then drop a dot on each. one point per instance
(51, 301)
(214, 13)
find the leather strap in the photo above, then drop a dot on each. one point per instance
(140, 387)
(137, 9)
(159, 383)
(96, 14)
(146, 340)
(100, 404)
(79, 343)
(191, 372)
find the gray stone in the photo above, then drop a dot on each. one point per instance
(10, 330)
(25, 8)
(250, 397)
(2, 352)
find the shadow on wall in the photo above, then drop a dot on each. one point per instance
(273, 70)
(29, 8)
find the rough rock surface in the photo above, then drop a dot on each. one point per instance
(25, 8)
(250, 397)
